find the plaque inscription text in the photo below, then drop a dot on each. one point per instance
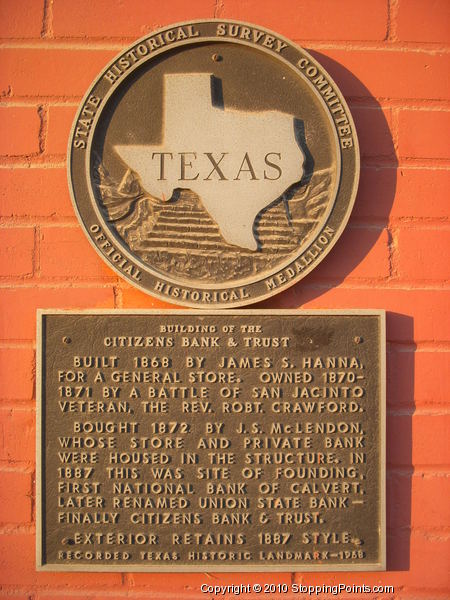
(215, 441)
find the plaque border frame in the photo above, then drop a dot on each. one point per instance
(225, 568)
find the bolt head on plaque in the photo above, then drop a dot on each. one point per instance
(213, 163)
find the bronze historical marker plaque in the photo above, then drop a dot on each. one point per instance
(222, 441)
(213, 163)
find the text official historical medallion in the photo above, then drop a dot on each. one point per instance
(213, 163)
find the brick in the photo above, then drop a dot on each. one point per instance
(430, 440)
(413, 560)
(343, 262)
(18, 306)
(360, 73)
(16, 251)
(34, 193)
(409, 440)
(176, 587)
(422, 595)
(418, 501)
(418, 378)
(67, 253)
(419, 21)
(374, 126)
(17, 566)
(414, 262)
(377, 187)
(135, 298)
(404, 193)
(17, 435)
(398, 500)
(366, 73)
(104, 18)
(423, 557)
(60, 119)
(60, 595)
(423, 133)
(15, 497)
(68, 73)
(319, 20)
(19, 128)
(409, 314)
(153, 580)
(421, 193)
(156, 582)
(21, 19)
(16, 367)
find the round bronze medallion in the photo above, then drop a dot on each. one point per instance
(213, 163)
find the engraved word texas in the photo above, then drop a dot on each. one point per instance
(237, 162)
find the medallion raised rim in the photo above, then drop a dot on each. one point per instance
(241, 292)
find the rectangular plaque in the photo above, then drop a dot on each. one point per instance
(222, 441)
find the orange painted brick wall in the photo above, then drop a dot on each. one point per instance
(391, 60)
